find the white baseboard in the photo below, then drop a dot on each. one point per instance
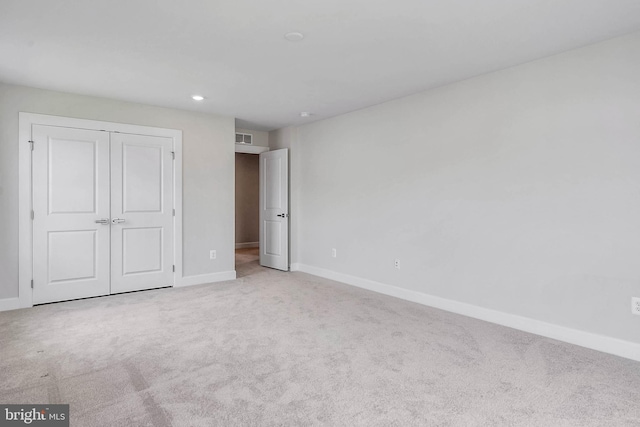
(205, 278)
(247, 245)
(618, 347)
(10, 304)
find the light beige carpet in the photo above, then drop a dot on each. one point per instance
(274, 348)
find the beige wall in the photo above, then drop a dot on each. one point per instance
(247, 198)
(517, 191)
(208, 172)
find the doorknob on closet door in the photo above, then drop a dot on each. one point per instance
(102, 221)
(117, 220)
(283, 215)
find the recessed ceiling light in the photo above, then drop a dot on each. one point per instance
(197, 97)
(294, 36)
(305, 114)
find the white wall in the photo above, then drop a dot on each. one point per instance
(282, 138)
(208, 172)
(517, 191)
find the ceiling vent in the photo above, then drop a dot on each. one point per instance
(244, 138)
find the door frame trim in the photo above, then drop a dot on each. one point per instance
(25, 225)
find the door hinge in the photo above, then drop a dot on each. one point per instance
(174, 268)
(33, 215)
(174, 212)
(173, 155)
(31, 283)
(31, 143)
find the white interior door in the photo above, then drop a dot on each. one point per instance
(71, 213)
(141, 212)
(274, 209)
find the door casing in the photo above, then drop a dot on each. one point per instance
(25, 232)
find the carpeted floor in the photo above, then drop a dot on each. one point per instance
(274, 348)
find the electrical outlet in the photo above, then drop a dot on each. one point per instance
(397, 264)
(334, 253)
(635, 305)
(212, 254)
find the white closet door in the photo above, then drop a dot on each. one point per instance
(141, 212)
(70, 199)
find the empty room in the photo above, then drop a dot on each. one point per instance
(336, 213)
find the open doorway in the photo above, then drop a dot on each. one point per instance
(247, 201)
(247, 211)
(262, 203)
(248, 146)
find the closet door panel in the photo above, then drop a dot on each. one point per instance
(141, 212)
(71, 213)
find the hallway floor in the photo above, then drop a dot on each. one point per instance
(247, 261)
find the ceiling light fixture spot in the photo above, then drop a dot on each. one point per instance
(305, 114)
(294, 36)
(197, 97)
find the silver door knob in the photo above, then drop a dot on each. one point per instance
(102, 221)
(117, 220)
